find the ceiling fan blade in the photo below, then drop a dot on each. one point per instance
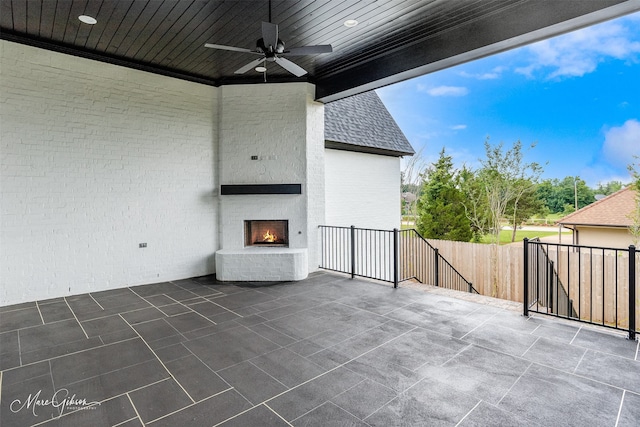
(270, 34)
(235, 49)
(249, 66)
(291, 67)
(309, 50)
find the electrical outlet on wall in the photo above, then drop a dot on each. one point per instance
(142, 245)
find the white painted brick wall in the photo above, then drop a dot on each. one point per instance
(96, 159)
(362, 190)
(284, 127)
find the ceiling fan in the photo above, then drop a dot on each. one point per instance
(272, 49)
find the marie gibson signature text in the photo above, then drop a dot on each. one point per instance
(60, 400)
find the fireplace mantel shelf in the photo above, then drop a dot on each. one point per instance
(248, 189)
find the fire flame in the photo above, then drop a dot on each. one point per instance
(268, 237)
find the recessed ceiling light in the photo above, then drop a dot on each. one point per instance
(88, 19)
(261, 69)
(349, 23)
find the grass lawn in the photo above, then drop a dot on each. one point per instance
(505, 235)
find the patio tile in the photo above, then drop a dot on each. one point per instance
(606, 342)
(142, 315)
(9, 360)
(60, 350)
(630, 411)
(227, 348)
(299, 326)
(206, 308)
(23, 373)
(79, 366)
(104, 414)
(159, 399)
(251, 382)
(287, 367)
(244, 299)
(207, 412)
(21, 413)
(514, 321)
(365, 398)
(124, 298)
(552, 397)
(272, 335)
(117, 382)
(555, 354)
(486, 414)
(159, 300)
(50, 335)
(172, 352)
(317, 343)
(17, 319)
(174, 309)
(105, 325)
(9, 342)
(196, 378)
(155, 330)
(55, 311)
(328, 415)
(418, 347)
(558, 334)
(501, 339)
(376, 367)
(188, 322)
(258, 416)
(155, 289)
(621, 372)
(478, 372)
(426, 404)
(15, 307)
(302, 399)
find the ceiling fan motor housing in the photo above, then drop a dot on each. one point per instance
(269, 50)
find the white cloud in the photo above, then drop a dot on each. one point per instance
(495, 73)
(444, 90)
(622, 143)
(458, 127)
(579, 53)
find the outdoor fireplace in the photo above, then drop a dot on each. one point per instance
(270, 233)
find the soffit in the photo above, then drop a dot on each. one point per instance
(395, 40)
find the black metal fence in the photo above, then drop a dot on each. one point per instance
(584, 283)
(388, 255)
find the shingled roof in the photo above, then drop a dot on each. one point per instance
(612, 211)
(362, 123)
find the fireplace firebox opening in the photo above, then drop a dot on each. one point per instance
(271, 233)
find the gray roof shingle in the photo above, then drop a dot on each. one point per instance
(362, 123)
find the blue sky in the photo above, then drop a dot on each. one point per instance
(576, 95)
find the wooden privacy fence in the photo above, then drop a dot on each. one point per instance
(473, 261)
(592, 282)
(586, 283)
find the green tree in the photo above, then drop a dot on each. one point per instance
(556, 194)
(502, 181)
(441, 214)
(609, 187)
(634, 229)
(524, 207)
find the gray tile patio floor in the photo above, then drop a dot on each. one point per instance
(324, 351)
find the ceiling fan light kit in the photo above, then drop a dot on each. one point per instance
(272, 49)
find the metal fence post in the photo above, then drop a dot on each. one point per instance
(395, 257)
(436, 269)
(526, 277)
(632, 292)
(353, 251)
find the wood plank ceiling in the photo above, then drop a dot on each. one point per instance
(395, 39)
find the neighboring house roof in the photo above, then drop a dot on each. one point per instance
(612, 211)
(362, 123)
